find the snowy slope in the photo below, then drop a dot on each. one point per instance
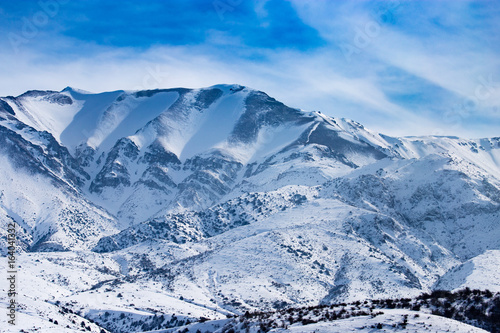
(390, 321)
(40, 191)
(49, 218)
(481, 270)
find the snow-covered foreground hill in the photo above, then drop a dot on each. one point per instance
(188, 203)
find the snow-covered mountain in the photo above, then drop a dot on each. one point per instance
(223, 200)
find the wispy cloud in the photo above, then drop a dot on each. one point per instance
(398, 67)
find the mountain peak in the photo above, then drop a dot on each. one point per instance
(227, 87)
(79, 91)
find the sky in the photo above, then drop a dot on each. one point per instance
(398, 67)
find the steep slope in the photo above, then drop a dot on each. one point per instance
(39, 190)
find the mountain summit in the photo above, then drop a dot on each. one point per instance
(232, 201)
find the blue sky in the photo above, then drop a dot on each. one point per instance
(398, 67)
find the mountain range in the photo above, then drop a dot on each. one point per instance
(213, 202)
